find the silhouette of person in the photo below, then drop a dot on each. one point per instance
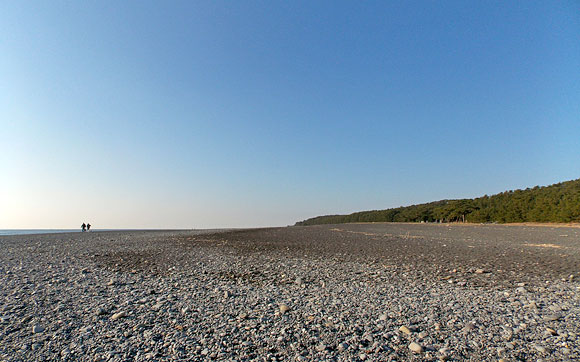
(83, 226)
(88, 226)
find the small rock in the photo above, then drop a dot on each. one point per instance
(112, 282)
(540, 348)
(479, 271)
(551, 331)
(422, 334)
(520, 290)
(119, 315)
(37, 329)
(284, 308)
(383, 317)
(415, 347)
(100, 311)
(342, 346)
(157, 306)
(444, 351)
(552, 317)
(227, 294)
(362, 356)
(469, 327)
(405, 330)
(321, 347)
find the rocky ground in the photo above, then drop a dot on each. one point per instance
(335, 292)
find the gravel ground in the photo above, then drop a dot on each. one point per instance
(333, 292)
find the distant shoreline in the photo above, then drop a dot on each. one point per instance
(7, 232)
(15, 232)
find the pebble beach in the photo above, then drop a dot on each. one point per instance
(353, 292)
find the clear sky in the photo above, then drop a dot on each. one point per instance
(201, 114)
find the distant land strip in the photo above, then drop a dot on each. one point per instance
(557, 203)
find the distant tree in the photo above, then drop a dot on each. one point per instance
(555, 203)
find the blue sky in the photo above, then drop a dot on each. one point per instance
(258, 113)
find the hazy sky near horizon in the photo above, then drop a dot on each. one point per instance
(202, 114)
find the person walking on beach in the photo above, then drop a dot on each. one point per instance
(88, 227)
(83, 226)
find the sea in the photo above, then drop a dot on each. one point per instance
(43, 231)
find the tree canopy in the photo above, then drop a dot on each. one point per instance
(555, 203)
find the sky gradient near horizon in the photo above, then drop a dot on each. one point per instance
(144, 114)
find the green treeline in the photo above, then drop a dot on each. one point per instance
(555, 203)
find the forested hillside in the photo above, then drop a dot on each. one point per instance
(555, 203)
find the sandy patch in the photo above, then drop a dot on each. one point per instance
(404, 236)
